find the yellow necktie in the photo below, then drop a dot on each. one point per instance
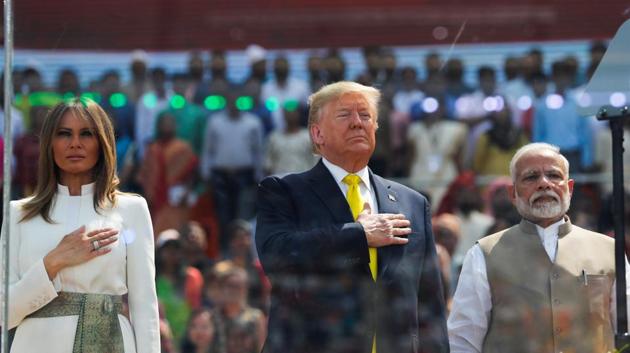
(356, 206)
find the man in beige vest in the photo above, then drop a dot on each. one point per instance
(544, 285)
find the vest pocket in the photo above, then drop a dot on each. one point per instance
(414, 342)
(598, 291)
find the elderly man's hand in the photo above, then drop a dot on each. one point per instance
(383, 229)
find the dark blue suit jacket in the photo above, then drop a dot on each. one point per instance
(316, 256)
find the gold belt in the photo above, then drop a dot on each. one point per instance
(98, 329)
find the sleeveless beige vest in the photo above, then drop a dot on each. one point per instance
(539, 306)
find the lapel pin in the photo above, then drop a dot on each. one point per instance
(391, 197)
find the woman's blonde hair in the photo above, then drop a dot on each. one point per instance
(104, 172)
(329, 93)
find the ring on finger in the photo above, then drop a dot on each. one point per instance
(95, 245)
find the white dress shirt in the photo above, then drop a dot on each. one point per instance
(470, 313)
(367, 193)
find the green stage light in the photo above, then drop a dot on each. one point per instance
(93, 96)
(214, 102)
(272, 104)
(68, 96)
(291, 105)
(117, 100)
(178, 102)
(150, 100)
(45, 99)
(244, 103)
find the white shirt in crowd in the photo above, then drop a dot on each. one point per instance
(294, 89)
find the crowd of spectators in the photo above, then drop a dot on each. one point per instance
(195, 145)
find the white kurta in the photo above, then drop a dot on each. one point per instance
(128, 268)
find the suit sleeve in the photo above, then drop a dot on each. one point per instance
(143, 305)
(282, 244)
(432, 311)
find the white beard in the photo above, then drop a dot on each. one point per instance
(543, 210)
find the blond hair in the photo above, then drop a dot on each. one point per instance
(48, 174)
(332, 92)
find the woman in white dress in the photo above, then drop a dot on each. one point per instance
(78, 244)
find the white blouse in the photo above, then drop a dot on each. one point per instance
(128, 268)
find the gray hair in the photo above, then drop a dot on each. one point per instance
(536, 147)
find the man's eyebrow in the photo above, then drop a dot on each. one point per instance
(530, 172)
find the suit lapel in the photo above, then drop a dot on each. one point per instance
(387, 199)
(327, 190)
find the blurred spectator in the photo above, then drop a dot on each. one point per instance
(538, 82)
(445, 270)
(178, 285)
(289, 150)
(195, 69)
(282, 89)
(435, 149)
(32, 93)
(26, 153)
(499, 205)
(190, 118)
(447, 231)
(573, 66)
(166, 337)
(556, 121)
(139, 83)
(473, 109)
(390, 80)
(409, 92)
(17, 119)
(201, 333)
(533, 62)
(315, 72)
(32, 81)
(373, 64)
(148, 108)
(495, 147)
(454, 74)
(244, 327)
(195, 242)
(435, 86)
(218, 84)
(17, 78)
(432, 64)
(474, 223)
(596, 52)
(232, 160)
(204, 213)
(335, 67)
(240, 252)
(515, 89)
(258, 73)
(117, 104)
(166, 174)
(382, 158)
(68, 83)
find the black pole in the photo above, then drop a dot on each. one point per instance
(616, 118)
